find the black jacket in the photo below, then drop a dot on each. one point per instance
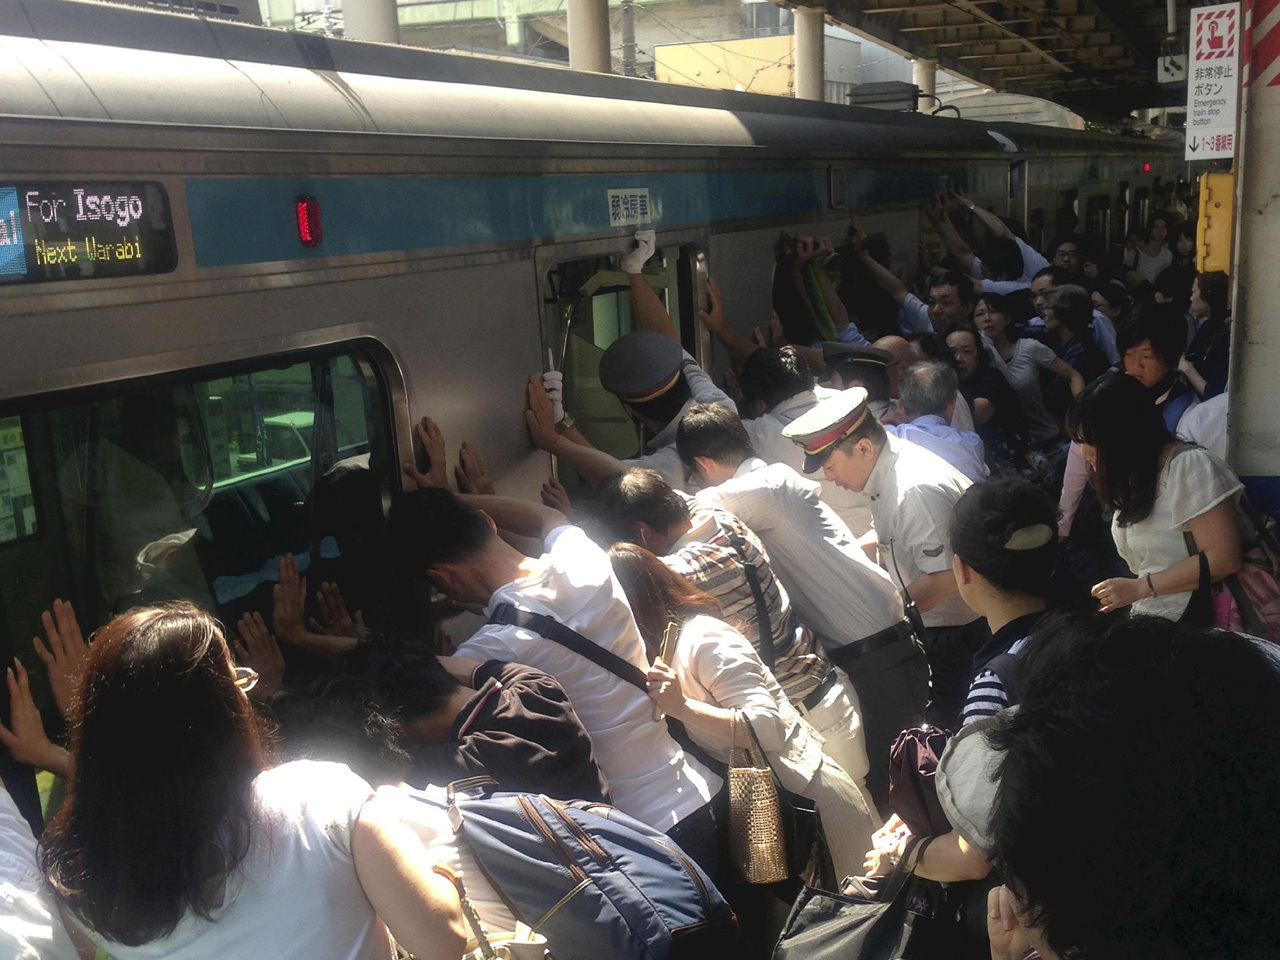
(520, 729)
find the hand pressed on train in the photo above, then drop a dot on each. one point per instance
(337, 621)
(288, 616)
(471, 473)
(1119, 592)
(538, 418)
(24, 737)
(437, 474)
(713, 319)
(257, 649)
(65, 654)
(664, 688)
(556, 496)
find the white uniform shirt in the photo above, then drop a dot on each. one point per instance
(771, 446)
(1205, 424)
(662, 455)
(296, 895)
(913, 495)
(838, 592)
(649, 776)
(29, 925)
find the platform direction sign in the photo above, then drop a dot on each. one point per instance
(1213, 81)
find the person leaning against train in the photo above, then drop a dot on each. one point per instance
(913, 493)
(848, 601)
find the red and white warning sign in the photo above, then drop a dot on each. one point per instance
(1213, 81)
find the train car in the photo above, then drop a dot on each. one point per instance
(236, 264)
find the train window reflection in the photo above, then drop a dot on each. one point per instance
(194, 488)
(17, 504)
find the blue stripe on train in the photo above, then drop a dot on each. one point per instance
(240, 221)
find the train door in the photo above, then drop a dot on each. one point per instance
(587, 305)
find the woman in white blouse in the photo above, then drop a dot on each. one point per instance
(1153, 255)
(1159, 490)
(175, 841)
(714, 672)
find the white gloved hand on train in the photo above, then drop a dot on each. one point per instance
(646, 243)
(553, 383)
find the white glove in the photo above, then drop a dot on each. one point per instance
(633, 262)
(553, 383)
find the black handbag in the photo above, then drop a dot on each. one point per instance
(902, 917)
(876, 925)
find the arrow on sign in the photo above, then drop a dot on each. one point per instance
(1194, 145)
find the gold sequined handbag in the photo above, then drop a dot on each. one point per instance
(756, 843)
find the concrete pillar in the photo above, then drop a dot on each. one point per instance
(924, 74)
(809, 52)
(1254, 429)
(589, 35)
(371, 20)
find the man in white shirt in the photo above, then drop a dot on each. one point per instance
(928, 397)
(849, 602)
(913, 494)
(778, 387)
(457, 546)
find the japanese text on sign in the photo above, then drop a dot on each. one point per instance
(1213, 82)
(630, 207)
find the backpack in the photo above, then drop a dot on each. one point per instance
(592, 880)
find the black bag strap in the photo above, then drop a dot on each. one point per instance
(763, 625)
(1194, 551)
(909, 608)
(507, 614)
(906, 868)
(1007, 667)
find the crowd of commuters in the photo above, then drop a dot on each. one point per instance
(861, 533)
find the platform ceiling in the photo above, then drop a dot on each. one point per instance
(1094, 56)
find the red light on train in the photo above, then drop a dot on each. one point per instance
(307, 210)
(1146, 168)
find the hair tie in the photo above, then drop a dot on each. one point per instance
(1029, 538)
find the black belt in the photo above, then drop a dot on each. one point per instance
(818, 692)
(902, 630)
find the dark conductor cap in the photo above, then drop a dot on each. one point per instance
(641, 366)
(839, 354)
(825, 424)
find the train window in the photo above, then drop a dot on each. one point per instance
(588, 307)
(17, 505)
(191, 488)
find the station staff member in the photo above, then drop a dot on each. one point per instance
(850, 604)
(657, 382)
(913, 493)
(866, 367)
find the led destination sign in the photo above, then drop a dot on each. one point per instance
(84, 230)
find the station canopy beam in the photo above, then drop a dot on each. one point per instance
(1093, 56)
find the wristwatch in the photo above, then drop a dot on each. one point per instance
(565, 424)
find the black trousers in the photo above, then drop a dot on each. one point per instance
(950, 651)
(892, 683)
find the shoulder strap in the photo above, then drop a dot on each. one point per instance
(1006, 668)
(763, 625)
(510, 615)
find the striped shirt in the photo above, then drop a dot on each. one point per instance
(987, 695)
(707, 558)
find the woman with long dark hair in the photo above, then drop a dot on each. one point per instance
(176, 841)
(715, 673)
(1151, 256)
(1158, 490)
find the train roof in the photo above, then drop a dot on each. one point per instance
(87, 61)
